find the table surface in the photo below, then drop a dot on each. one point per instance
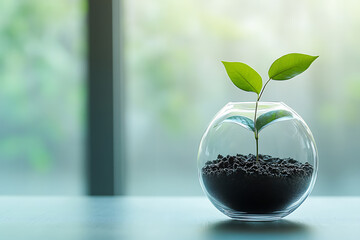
(123, 218)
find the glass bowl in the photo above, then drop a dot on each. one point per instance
(264, 189)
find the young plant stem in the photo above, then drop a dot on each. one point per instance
(256, 131)
(262, 90)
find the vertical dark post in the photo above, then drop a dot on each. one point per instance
(100, 147)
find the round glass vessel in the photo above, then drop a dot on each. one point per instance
(264, 188)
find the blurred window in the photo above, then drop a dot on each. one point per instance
(42, 96)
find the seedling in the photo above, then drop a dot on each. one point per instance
(247, 79)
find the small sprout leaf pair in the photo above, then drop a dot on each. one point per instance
(283, 68)
(262, 121)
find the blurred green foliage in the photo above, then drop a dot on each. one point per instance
(42, 87)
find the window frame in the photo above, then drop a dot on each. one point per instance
(105, 138)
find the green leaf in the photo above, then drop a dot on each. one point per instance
(243, 76)
(290, 65)
(272, 117)
(243, 121)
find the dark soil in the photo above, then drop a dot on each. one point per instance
(243, 184)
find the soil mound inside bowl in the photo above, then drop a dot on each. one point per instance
(243, 184)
